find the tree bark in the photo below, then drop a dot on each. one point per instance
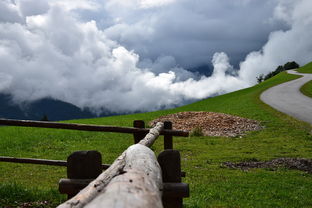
(138, 187)
(124, 165)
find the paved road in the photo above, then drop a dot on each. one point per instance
(288, 99)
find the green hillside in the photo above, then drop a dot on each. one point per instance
(211, 184)
(306, 89)
(306, 68)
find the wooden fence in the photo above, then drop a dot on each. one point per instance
(135, 179)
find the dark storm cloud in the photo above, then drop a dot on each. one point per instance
(132, 55)
(192, 31)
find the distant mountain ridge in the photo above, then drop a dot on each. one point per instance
(57, 110)
(54, 110)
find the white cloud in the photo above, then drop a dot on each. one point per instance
(69, 5)
(283, 46)
(36, 8)
(9, 12)
(56, 49)
(154, 3)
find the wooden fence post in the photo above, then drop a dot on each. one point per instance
(137, 187)
(139, 135)
(170, 163)
(83, 165)
(135, 160)
(168, 144)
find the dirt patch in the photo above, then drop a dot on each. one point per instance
(302, 164)
(210, 123)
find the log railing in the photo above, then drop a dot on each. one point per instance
(87, 127)
(135, 179)
(40, 161)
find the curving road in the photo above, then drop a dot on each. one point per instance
(288, 99)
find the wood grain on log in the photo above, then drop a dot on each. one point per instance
(91, 191)
(140, 135)
(122, 165)
(33, 161)
(72, 186)
(170, 163)
(168, 144)
(138, 187)
(40, 161)
(84, 165)
(176, 190)
(168, 189)
(153, 134)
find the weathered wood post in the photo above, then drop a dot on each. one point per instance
(168, 144)
(139, 135)
(138, 187)
(81, 165)
(135, 175)
(174, 190)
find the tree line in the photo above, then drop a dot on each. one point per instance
(287, 66)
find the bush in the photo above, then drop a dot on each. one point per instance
(260, 78)
(197, 132)
(287, 66)
(291, 65)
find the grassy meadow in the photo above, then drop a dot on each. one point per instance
(306, 89)
(211, 184)
(306, 68)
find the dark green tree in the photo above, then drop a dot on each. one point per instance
(287, 66)
(260, 78)
(291, 65)
(279, 69)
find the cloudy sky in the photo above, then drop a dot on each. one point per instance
(136, 55)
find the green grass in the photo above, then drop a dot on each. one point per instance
(211, 184)
(306, 89)
(17, 195)
(306, 68)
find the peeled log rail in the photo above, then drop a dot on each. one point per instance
(86, 127)
(138, 187)
(69, 186)
(39, 161)
(33, 161)
(127, 169)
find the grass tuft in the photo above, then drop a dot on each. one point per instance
(306, 89)
(197, 132)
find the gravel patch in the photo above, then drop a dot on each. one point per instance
(210, 123)
(302, 164)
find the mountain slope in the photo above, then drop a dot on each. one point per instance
(211, 184)
(55, 110)
(306, 68)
